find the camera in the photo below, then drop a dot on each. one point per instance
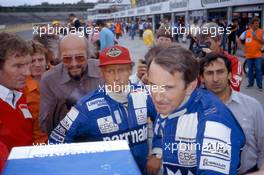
(198, 50)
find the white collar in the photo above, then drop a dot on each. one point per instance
(3, 92)
(234, 97)
(120, 97)
(6, 95)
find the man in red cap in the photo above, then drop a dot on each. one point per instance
(116, 111)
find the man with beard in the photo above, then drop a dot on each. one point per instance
(67, 82)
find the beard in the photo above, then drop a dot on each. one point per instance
(78, 77)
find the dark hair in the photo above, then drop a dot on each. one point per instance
(195, 21)
(206, 31)
(100, 23)
(211, 57)
(12, 44)
(175, 58)
(254, 20)
(72, 15)
(164, 31)
(153, 51)
(37, 47)
(51, 44)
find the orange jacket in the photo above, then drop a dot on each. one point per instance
(253, 47)
(118, 28)
(33, 100)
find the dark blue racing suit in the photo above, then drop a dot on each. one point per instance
(97, 117)
(201, 137)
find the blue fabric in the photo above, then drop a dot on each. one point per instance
(255, 64)
(106, 38)
(192, 142)
(103, 163)
(102, 118)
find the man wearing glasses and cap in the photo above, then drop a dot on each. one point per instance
(63, 85)
(116, 111)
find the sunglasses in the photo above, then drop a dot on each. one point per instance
(78, 59)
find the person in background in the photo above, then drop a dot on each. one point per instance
(193, 29)
(51, 44)
(132, 29)
(107, 37)
(254, 39)
(38, 66)
(212, 43)
(118, 30)
(215, 74)
(232, 36)
(148, 36)
(222, 23)
(141, 28)
(75, 22)
(163, 38)
(57, 28)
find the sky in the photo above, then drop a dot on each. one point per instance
(34, 2)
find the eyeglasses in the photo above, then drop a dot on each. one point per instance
(78, 59)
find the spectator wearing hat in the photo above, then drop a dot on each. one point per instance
(164, 35)
(63, 85)
(116, 111)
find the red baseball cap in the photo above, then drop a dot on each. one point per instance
(114, 55)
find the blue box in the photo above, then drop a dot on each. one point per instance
(104, 158)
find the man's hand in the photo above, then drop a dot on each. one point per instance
(141, 69)
(153, 165)
(257, 39)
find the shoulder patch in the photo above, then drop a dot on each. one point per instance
(218, 131)
(139, 99)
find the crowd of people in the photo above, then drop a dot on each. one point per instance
(66, 88)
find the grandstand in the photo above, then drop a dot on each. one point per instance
(15, 18)
(44, 12)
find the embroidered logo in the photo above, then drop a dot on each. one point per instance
(113, 52)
